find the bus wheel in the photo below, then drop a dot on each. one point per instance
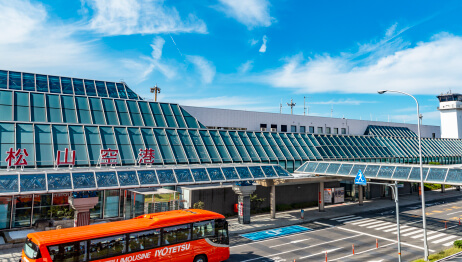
(200, 258)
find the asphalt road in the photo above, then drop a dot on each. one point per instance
(363, 230)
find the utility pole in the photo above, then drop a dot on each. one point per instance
(292, 104)
(331, 110)
(155, 90)
(307, 109)
(280, 107)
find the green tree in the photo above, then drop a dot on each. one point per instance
(199, 205)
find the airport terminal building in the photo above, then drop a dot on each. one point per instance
(64, 138)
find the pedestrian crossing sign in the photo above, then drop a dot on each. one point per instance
(360, 179)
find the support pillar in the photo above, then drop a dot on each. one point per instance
(244, 193)
(443, 189)
(273, 201)
(82, 208)
(321, 197)
(360, 194)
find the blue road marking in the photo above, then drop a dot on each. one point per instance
(276, 232)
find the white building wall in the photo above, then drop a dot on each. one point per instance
(451, 119)
(252, 120)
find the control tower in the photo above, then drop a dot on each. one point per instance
(451, 115)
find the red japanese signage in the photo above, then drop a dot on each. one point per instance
(108, 156)
(146, 156)
(68, 160)
(16, 158)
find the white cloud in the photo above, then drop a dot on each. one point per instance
(252, 13)
(426, 68)
(127, 17)
(263, 46)
(253, 42)
(245, 67)
(347, 101)
(205, 68)
(157, 46)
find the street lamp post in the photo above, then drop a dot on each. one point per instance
(424, 220)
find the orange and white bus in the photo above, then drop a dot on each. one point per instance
(190, 235)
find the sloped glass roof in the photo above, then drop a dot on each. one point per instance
(93, 179)
(438, 174)
(389, 131)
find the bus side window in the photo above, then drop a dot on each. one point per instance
(69, 252)
(172, 235)
(144, 240)
(107, 247)
(204, 229)
(222, 232)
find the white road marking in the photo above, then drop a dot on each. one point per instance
(372, 223)
(383, 238)
(443, 239)
(453, 213)
(392, 229)
(349, 219)
(291, 242)
(379, 225)
(322, 253)
(420, 231)
(414, 222)
(385, 227)
(367, 220)
(404, 230)
(421, 235)
(357, 253)
(323, 224)
(285, 252)
(435, 236)
(342, 217)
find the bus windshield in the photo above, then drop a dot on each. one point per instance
(31, 250)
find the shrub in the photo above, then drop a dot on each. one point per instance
(199, 205)
(458, 243)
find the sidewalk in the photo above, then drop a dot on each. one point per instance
(262, 222)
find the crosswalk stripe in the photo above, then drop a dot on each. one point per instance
(367, 220)
(389, 230)
(436, 236)
(443, 239)
(342, 217)
(369, 224)
(385, 227)
(405, 230)
(428, 233)
(450, 243)
(420, 231)
(379, 225)
(349, 219)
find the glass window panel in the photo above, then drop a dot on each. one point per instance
(97, 111)
(415, 173)
(199, 146)
(166, 176)
(25, 140)
(321, 168)
(345, 169)
(107, 137)
(230, 173)
(9, 183)
(111, 203)
(165, 148)
(147, 114)
(158, 115)
(38, 107)
(109, 110)
(125, 150)
(93, 143)
(281, 172)
(106, 179)
(130, 93)
(127, 178)
(311, 167)
(178, 116)
(215, 174)
(454, 176)
(212, 150)
(175, 234)
(42, 83)
(6, 97)
(21, 113)
(121, 91)
(401, 172)
(83, 111)
(436, 175)
(59, 181)
(190, 120)
(256, 172)
(183, 176)
(111, 89)
(66, 85)
(77, 141)
(33, 182)
(371, 171)
(135, 113)
(15, 80)
(53, 82)
(21, 99)
(78, 87)
(386, 171)
(107, 247)
(53, 108)
(144, 240)
(333, 168)
(354, 171)
(200, 175)
(101, 87)
(68, 106)
(269, 172)
(150, 141)
(147, 177)
(3, 79)
(28, 82)
(83, 180)
(123, 113)
(244, 172)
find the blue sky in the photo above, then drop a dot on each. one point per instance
(250, 54)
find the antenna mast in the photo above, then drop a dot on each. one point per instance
(292, 104)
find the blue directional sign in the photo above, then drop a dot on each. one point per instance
(276, 232)
(360, 179)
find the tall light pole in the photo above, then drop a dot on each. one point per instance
(155, 90)
(424, 220)
(292, 104)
